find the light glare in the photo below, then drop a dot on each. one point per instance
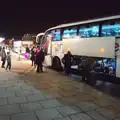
(1, 39)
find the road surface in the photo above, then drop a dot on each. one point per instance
(25, 95)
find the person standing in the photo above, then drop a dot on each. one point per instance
(87, 65)
(39, 60)
(33, 54)
(8, 61)
(27, 52)
(3, 57)
(67, 63)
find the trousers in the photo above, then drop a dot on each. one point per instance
(8, 66)
(39, 67)
(3, 63)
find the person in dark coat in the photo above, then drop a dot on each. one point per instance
(39, 60)
(33, 55)
(27, 50)
(67, 62)
(87, 65)
(3, 57)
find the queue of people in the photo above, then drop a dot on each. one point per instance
(37, 58)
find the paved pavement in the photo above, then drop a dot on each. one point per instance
(51, 96)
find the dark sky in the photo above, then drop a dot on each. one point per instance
(18, 18)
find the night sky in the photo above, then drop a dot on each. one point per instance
(18, 18)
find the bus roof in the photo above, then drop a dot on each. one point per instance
(84, 22)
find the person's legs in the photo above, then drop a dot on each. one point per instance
(41, 67)
(88, 76)
(32, 62)
(3, 63)
(35, 65)
(69, 70)
(83, 74)
(38, 68)
(9, 66)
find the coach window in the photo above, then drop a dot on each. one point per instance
(110, 29)
(69, 33)
(87, 31)
(56, 35)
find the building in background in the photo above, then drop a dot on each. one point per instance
(17, 45)
(28, 40)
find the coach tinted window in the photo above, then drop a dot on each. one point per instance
(56, 35)
(110, 30)
(69, 33)
(89, 31)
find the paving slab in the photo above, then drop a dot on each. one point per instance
(117, 119)
(26, 107)
(4, 117)
(83, 116)
(65, 118)
(6, 86)
(9, 109)
(2, 89)
(74, 117)
(23, 93)
(68, 110)
(24, 116)
(109, 112)
(20, 99)
(27, 87)
(36, 91)
(50, 103)
(2, 82)
(35, 97)
(48, 114)
(4, 94)
(3, 101)
(97, 116)
(11, 81)
(87, 106)
(14, 89)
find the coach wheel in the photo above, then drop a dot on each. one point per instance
(56, 64)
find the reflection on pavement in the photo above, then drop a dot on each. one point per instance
(53, 96)
(109, 88)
